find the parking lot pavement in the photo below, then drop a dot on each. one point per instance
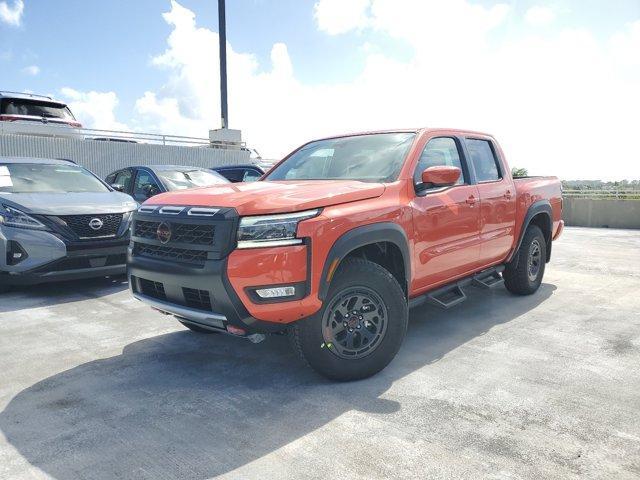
(96, 385)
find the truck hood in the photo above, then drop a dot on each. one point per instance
(80, 203)
(255, 198)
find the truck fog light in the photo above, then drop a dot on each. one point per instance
(276, 292)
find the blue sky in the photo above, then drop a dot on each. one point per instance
(336, 67)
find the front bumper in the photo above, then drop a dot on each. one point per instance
(198, 295)
(87, 260)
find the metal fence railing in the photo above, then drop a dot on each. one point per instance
(51, 130)
(603, 194)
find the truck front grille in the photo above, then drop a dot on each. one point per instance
(93, 226)
(191, 297)
(191, 233)
(164, 252)
(152, 289)
(198, 299)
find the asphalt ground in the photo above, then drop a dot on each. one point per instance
(95, 385)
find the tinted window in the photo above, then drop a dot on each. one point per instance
(145, 185)
(483, 159)
(42, 178)
(182, 179)
(231, 174)
(438, 152)
(124, 178)
(367, 158)
(251, 176)
(34, 108)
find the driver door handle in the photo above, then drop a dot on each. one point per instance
(508, 195)
(471, 200)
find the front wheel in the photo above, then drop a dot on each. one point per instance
(526, 278)
(360, 327)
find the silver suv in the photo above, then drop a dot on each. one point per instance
(30, 114)
(58, 221)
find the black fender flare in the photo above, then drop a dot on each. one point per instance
(540, 207)
(359, 237)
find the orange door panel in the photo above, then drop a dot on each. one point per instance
(447, 241)
(497, 220)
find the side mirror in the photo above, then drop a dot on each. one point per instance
(440, 176)
(117, 187)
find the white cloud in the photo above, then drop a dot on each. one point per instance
(11, 15)
(540, 16)
(625, 45)
(32, 70)
(94, 109)
(561, 103)
(340, 16)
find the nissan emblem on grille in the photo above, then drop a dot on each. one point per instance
(95, 223)
(163, 232)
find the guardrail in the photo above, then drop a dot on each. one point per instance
(51, 130)
(625, 194)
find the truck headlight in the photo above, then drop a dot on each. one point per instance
(12, 217)
(271, 230)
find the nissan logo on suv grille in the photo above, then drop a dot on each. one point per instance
(96, 223)
(163, 232)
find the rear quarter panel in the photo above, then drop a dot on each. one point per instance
(533, 189)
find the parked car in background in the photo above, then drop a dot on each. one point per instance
(240, 173)
(337, 241)
(58, 221)
(143, 182)
(30, 114)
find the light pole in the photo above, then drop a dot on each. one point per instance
(222, 40)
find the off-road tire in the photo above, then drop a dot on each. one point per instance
(355, 275)
(518, 280)
(195, 328)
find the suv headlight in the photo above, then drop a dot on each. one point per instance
(12, 217)
(271, 230)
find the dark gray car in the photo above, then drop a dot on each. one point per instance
(58, 221)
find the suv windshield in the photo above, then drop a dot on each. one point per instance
(182, 179)
(35, 108)
(367, 158)
(43, 178)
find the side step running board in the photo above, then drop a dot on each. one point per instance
(489, 278)
(453, 294)
(447, 297)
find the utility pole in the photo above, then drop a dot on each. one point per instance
(222, 38)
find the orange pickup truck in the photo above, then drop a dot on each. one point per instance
(342, 237)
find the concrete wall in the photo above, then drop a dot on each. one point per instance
(103, 158)
(588, 212)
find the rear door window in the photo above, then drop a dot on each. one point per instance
(484, 160)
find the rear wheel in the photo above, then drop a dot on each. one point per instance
(526, 278)
(360, 327)
(197, 329)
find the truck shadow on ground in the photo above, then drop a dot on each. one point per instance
(184, 405)
(56, 293)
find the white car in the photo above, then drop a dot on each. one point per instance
(30, 114)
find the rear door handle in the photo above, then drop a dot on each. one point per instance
(471, 200)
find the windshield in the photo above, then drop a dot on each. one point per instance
(36, 109)
(183, 179)
(367, 158)
(43, 178)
